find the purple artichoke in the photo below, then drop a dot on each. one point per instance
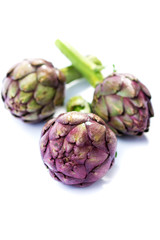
(124, 103)
(77, 148)
(32, 89)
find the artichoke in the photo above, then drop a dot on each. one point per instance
(124, 103)
(77, 148)
(120, 99)
(32, 89)
(78, 104)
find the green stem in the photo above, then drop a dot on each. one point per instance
(87, 68)
(71, 73)
(78, 104)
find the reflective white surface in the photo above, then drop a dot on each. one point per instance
(125, 203)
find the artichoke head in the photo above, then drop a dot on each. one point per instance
(124, 103)
(32, 89)
(77, 148)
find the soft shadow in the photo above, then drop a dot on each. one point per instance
(88, 189)
(74, 88)
(33, 129)
(129, 145)
(133, 139)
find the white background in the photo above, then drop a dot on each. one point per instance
(125, 204)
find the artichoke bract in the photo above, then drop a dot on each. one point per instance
(77, 148)
(32, 89)
(120, 99)
(124, 103)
